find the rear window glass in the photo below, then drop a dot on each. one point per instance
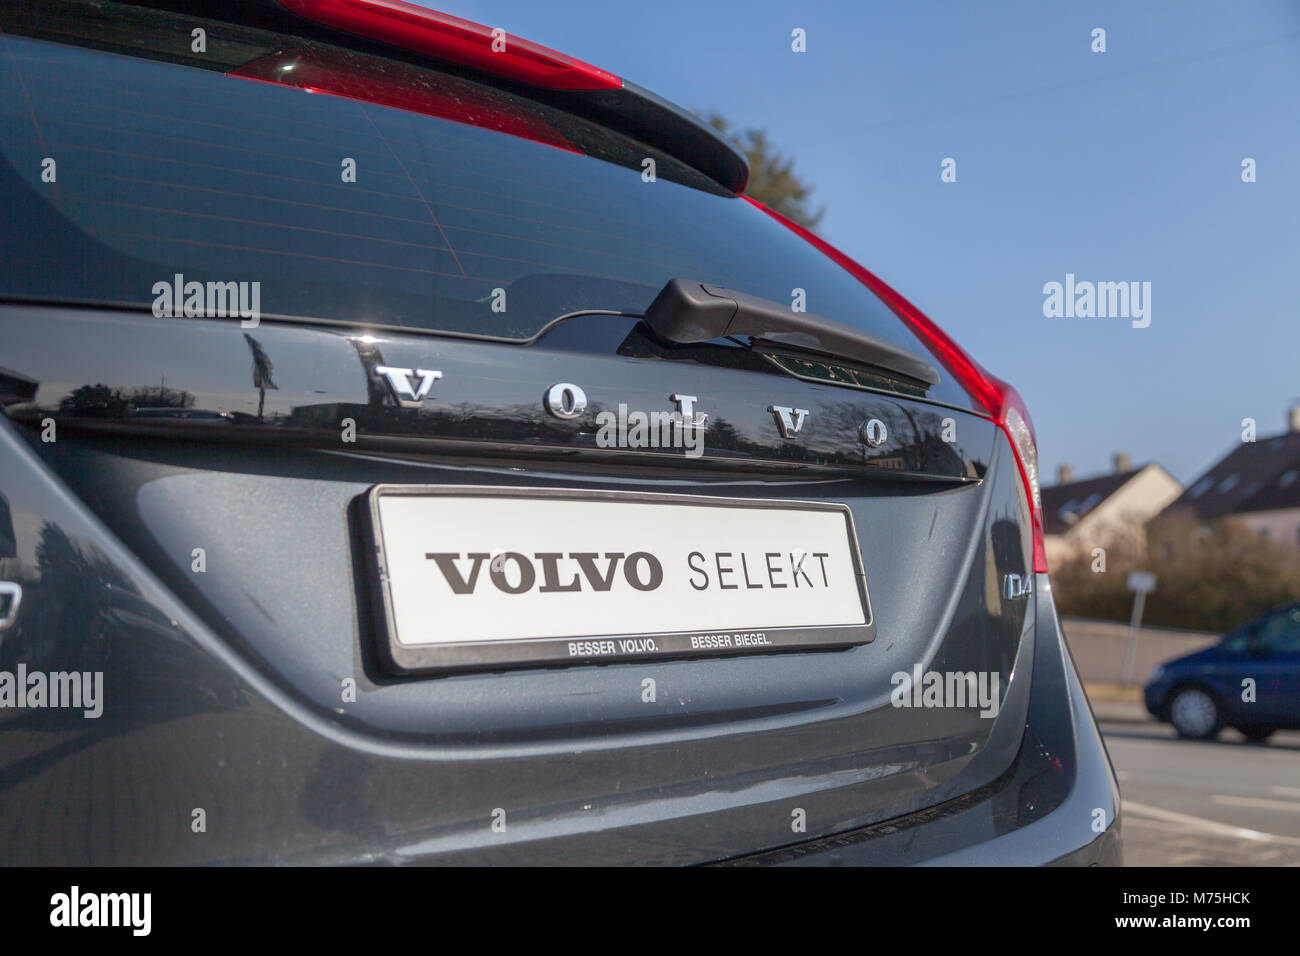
(163, 171)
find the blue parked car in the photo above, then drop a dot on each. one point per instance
(1202, 693)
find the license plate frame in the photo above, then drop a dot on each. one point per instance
(416, 656)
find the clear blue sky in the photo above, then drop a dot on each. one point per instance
(1122, 166)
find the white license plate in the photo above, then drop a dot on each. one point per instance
(483, 577)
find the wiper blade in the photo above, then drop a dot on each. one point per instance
(687, 311)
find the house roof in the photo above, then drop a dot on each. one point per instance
(1262, 475)
(1079, 498)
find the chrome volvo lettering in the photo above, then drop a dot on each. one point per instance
(409, 386)
(789, 420)
(874, 433)
(686, 415)
(565, 400)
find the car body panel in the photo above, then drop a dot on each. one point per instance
(283, 780)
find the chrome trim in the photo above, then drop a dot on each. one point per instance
(11, 597)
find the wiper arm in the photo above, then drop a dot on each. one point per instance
(687, 311)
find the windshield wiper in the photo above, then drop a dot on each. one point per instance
(687, 311)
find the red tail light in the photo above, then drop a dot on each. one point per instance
(461, 102)
(1015, 421)
(455, 40)
(1003, 403)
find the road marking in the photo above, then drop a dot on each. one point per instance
(1257, 802)
(1210, 826)
(1287, 791)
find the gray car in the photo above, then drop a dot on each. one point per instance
(419, 451)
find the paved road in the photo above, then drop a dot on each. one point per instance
(1206, 804)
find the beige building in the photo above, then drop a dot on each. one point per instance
(1256, 485)
(1105, 511)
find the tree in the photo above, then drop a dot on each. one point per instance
(1212, 577)
(772, 179)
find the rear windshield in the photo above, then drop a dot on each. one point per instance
(347, 210)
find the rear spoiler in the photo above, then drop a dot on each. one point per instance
(422, 37)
